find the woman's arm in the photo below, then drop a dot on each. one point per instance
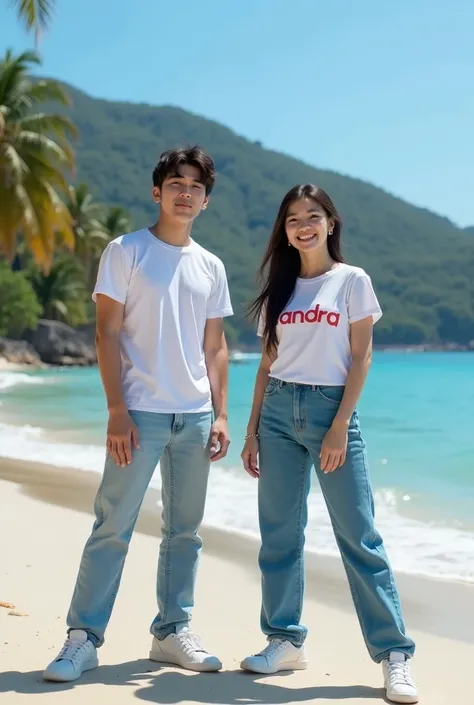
(261, 382)
(250, 451)
(361, 349)
(333, 451)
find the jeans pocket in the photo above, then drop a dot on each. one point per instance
(271, 387)
(332, 394)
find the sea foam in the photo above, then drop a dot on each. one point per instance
(413, 546)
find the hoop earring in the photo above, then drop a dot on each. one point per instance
(289, 244)
(330, 232)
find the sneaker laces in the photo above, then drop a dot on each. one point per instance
(273, 647)
(399, 673)
(71, 650)
(190, 643)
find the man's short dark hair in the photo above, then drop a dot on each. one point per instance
(171, 160)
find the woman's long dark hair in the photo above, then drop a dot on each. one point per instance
(281, 264)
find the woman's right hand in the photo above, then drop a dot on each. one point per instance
(249, 456)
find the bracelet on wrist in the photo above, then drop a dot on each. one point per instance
(250, 435)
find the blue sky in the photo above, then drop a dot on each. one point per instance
(379, 90)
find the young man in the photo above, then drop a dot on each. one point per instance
(161, 299)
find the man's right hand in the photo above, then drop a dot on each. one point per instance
(122, 435)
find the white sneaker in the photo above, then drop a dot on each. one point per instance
(77, 655)
(278, 655)
(398, 682)
(184, 649)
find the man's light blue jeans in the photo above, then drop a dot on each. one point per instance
(181, 442)
(293, 423)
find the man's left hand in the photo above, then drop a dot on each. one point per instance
(220, 440)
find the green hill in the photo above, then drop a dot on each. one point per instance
(421, 264)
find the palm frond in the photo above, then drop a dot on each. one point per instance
(116, 221)
(41, 169)
(52, 217)
(27, 139)
(34, 14)
(45, 123)
(61, 291)
(46, 91)
(16, 214)
(60, 306)
(13, 73)
(12, 166)
(35, 154)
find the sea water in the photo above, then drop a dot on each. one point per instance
(417, 416)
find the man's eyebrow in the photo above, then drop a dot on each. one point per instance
(177, 175)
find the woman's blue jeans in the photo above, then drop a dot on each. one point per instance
(294, 421)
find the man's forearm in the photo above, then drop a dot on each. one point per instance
(217, 364)
(110, 366)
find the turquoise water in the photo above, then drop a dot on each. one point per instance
(417, 413)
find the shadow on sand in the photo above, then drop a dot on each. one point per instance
(153, 684)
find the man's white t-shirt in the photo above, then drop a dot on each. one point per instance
(313, 330)
(169, 293)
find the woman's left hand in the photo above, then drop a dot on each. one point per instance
(334, 447)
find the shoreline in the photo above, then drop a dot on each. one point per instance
(7, 366)
(237, 356)
(418, 535)
(45, 522)
(325, 579)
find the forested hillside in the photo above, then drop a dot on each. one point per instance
(421, 264)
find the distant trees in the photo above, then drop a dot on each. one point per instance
(51, 229)
(35, 155)
(19, 307)
(54, 230)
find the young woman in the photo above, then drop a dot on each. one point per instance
(316, 315)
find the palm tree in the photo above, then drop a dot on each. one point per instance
(61, 292)
(34, 153)
(90, 232)
(117, 221)
(34, 14)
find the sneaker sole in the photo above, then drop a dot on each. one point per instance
(170, 660)
(404, 699)
(287, 666)
(56, 678)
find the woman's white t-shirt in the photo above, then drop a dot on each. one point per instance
(313, 330)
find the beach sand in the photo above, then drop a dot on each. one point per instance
(45, 519)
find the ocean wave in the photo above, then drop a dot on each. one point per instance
(413, 546)
(34, 444)
(13, 379)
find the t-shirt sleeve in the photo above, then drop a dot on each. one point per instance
(219, 304)
(363, 300)
(114, 272)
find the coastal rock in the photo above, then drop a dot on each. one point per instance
(59, 344)
(19, 352)
(87, 332)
